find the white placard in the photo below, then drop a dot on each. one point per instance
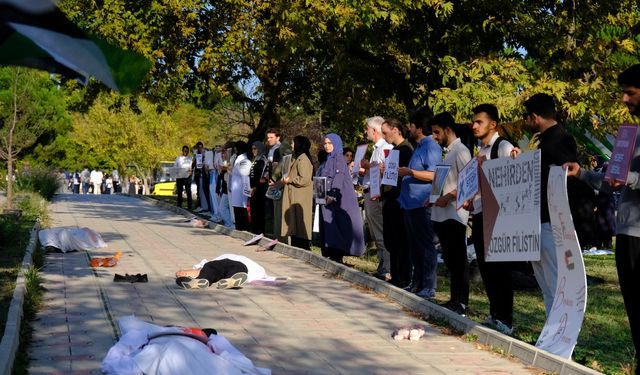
(246, 186)
(511, 208)
(360, 151)
(374, 180)
(439, 178)
(217, 159)
(391, 164)
(468, 185)
(564, 322)
(198, 160)
(208, 159)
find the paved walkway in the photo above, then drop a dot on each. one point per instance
(315, 324)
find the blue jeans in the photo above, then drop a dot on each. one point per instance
(225, 211)
(422, 249)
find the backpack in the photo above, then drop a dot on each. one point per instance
(496, 147)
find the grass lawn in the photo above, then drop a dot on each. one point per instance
(11, 254)
(604, 343)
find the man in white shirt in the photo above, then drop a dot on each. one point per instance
(373, 206)
(183, 176)
(449, 223)
(496, 276)
(96, 180)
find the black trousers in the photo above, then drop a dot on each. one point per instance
(453, 235)
(395, 241)
(257, 205)
(496, 277)
(184, 184)
(628, 264)
(242, 218)
(302, 243)
(217, 270)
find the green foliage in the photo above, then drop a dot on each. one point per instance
(40, 180)
(33, 206)
(8, 227)
(39, 109)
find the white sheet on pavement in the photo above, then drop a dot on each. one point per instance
(256, 271)
(169, 355)
(69, 239)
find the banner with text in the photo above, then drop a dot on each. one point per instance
(564, 322)
(510, 191)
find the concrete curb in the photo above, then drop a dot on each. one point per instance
(11, 337)
(526, 353)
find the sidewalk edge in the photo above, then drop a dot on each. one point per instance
(11, 337)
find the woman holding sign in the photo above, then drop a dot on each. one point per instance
(341, 227)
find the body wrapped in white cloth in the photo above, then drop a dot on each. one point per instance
(135, 354)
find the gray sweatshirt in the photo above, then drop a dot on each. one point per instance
(628, 216)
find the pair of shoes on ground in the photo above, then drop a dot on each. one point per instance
(137, 278)
(498, 326)
(235, 281)
(456, 307)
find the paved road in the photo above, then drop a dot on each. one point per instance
(316, 324)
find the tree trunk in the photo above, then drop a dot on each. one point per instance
(14, 122)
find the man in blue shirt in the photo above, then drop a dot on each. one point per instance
(414, 195)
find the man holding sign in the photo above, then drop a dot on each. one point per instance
(414, 191)
(395, 238)
(628, 215)
(496, 276)
(449, 223)
(557, 147)
(372, 203)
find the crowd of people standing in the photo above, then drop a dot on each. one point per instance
(270, 187)
(94, 182)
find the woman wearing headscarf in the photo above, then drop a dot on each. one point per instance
(342, 230)
(241, 186)
(276, 180)
(297, 198)
(259, 184)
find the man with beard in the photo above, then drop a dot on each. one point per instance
(628, 216)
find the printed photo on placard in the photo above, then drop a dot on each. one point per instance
(320, 189)
(438, 182)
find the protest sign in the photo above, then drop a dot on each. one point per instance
(468, 185)
(511, 208)
(374, 180)
(438, 182)
(622, 153)
(320, 190)
(391, 164)
(360, 151)
(199, 158)
(564, 321)
(208, 159)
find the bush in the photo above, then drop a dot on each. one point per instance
(40, 180)
(33, 206)
(8, 230)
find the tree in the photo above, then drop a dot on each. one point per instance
(30, 105)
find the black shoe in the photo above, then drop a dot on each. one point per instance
(138, 278)
(456, 307)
